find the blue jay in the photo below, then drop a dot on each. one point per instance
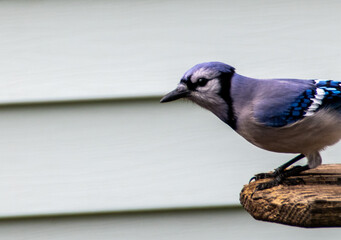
(279, 115)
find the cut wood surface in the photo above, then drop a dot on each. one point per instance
(314, 200)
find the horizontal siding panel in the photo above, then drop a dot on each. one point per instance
(122, 156)
(71, 50)
(214, 224)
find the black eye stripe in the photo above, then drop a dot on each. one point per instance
(192, 86)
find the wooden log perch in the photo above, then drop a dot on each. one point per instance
(313, 201)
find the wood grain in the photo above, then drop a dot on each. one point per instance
(313, 201)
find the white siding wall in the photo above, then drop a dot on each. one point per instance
(115, 156)
(58, 50)
(217, 224)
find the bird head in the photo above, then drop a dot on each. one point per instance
(208, 85)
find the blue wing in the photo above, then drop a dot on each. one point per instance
(321, 94)
(332, 93)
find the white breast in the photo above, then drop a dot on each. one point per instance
(311, 134)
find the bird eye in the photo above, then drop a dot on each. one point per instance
(202, 81)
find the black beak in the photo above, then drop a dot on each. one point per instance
(174, 95)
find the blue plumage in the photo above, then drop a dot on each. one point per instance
(280, 115)
(295, 111)
(324, 93)
(213, 66)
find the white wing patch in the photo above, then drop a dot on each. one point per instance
(317, 101)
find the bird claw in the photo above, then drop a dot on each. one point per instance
(281, 178)
(253, 178)
(262, 176)
(266, 185)
(280, 175)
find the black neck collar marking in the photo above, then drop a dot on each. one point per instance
(225, 93)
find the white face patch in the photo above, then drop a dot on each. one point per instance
(208, 97)
(206, 92)
(209, 91)
(212, 87)
(204, 73)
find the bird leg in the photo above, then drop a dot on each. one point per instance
(279, 174)
(281, 177)
(278, 171)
